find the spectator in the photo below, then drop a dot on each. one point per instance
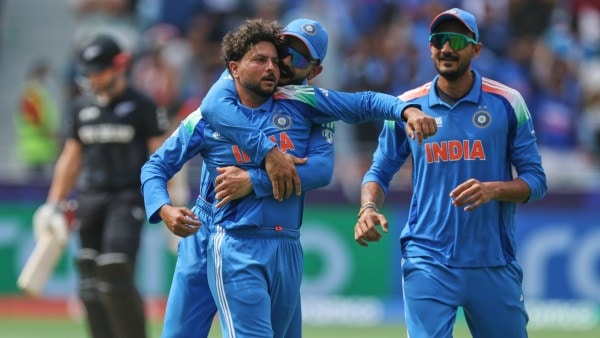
(37, 122)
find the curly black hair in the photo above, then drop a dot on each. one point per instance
(236, 44)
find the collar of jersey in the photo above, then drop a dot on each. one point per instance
(472, 96)
(267, 106)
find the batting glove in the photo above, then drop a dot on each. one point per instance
(50, 217)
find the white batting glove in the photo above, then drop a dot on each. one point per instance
(50, 216)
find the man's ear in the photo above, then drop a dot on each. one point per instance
(316, 70)
(233, 69)
(477, 49)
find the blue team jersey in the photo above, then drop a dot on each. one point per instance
(482, 136)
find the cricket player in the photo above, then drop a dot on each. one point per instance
(458, 245)
(112, 130)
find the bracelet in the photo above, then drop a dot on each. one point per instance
(366, 206)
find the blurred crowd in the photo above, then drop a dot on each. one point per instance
(549, 50)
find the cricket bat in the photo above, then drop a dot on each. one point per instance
(41, 264)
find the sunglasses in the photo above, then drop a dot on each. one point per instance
(457, 41)
(298, 60)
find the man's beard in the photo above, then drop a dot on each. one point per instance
(257, 89)
(452, 75)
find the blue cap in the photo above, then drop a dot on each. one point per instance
(312, 33)
(467, 19)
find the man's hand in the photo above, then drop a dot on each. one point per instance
(180, 221)
(281, 169)
(232, 183)
(50, 216)
(366, 230)
(419, 124)
(471, 194)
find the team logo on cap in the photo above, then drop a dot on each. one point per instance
(309, 29)
(282, 121)
(482, 118)
(91, 52)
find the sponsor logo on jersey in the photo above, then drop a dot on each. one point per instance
(328, 135)
(281, 121)
(124, 108)
(106, 133)
(482, 118)
(454, 150)
(89, 113)
(438, 121)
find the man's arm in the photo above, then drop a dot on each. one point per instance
(318, 170)
(220, 109)
(168, 159)
(365, 229)
(530, 185)
(353, 108)
(66, 171)
(473, 193)
(391, 153)
(234, 182)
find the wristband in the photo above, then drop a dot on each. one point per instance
(366, 206)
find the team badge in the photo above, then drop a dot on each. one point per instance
(310, 29)
(282, 121)
(482, 119)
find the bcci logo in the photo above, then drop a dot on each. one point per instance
(310, 29)
(481, 119)
(281, 121)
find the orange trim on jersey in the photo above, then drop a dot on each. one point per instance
(415, 93)
(491, 86)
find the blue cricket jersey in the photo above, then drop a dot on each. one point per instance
(482, 136)
(221, 110)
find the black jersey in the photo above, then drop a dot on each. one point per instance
(114, 139)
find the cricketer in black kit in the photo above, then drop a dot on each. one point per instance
(111, 131)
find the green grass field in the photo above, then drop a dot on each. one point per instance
(46, 328)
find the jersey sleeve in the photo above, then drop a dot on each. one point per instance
(220, 109)
(352, 108)
(392, 151)
(524, 153)
(185, 143)
(318, 170)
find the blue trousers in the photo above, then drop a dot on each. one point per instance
(190, 305)
(255, 275)
(491, 297)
